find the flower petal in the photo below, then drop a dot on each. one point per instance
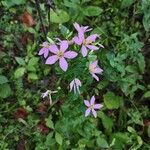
(77, 40)
(83, 51)
(77, 26)
(70, 54)
(98, 70)
(98, 106)
(87, 103)
(46, 53)
(92, 47)
(51, 60)
(87, 112)
(53, 48)
(92, 101)
(63, 45)
(77, 81)
(94, 113)
(71, 85)
(92, 37)
(63, 64)
(95, 76)
(42, 50)
(94, 63)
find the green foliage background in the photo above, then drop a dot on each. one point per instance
(124, 88)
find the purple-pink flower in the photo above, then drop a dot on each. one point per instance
(75, 84)
(91, 106)
(86, 43)
(60, 54)
(44, 50)
(95, 69)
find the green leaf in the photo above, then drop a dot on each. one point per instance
(32, 64)
(49, 123)
(60, 16)
(92, 11)
(106, 121)
(19, 72)
(126, 3)
(5, 90)
(147, 94)
(101, 142)
(112, 101)
(10, 3)
(32, 76)
(3, 79)
(58, 138)
(20, 61)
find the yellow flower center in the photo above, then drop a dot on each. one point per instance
(85, 42)
(92, 106)
(59, 53)
(91, 68)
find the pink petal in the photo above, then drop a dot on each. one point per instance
(98, 70)
(83, 51)
(63, 45)
(92, 47)
(86, 102)
(95, 76)
(41, 52)
(87, 112)
(44, 44)
(92, 101)
(70, 54)
(94, 113)
(63, 64)
(77, 40)
(51, 60)
(77, 81)
(92, 37)
(98, 106)
(81, 36)
(94, 63)
(53, 48)
(77, 27)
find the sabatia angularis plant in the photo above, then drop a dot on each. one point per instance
(79, 49)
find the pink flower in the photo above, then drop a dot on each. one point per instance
(60, 54)
(91, 106)
(44, 50)
(75, 84)
(86, 43)
(95, 69)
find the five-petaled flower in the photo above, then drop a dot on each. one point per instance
(95, 69)
(44, 50)
(91, 106)
(60, 54)
(75, 84)
(86, 43)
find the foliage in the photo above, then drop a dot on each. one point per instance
(29, 122)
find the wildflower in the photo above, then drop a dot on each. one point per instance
(49, 94)
(45, 94)
(86, 43)
(92, 106)
(60, 54)
(75, 84)
(44, 50)
(95, 69)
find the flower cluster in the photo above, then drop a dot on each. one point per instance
(60, 52)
